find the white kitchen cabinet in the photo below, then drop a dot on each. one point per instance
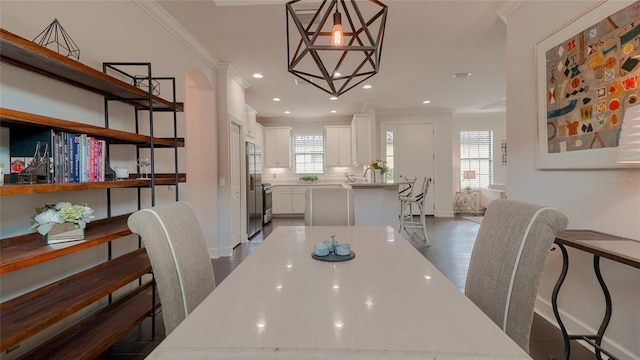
(277, 147)
(338, 145)
(363, 139)
(297, 201)
(250, 131)
(288, 199)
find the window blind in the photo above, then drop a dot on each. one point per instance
(308, 153)
(476, 154)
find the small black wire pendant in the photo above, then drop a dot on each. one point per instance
(59, 39)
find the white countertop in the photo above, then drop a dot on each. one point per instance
(308, 183)
(389, 302)
(373, 185)
(354, 185)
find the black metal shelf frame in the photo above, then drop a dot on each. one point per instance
(135, 80)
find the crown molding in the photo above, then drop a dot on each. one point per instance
(235, 75)
(232, 72)
(178, 31)
(506, 7)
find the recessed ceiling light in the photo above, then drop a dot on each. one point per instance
(333, 98)
(287, 112)
(334, 111)
(461, 75)
(367, 87)
(427, 102)
(276, 99)
(258, 76)
(336, 74)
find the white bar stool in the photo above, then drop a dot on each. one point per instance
(418, 197)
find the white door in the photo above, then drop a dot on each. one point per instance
(414, 155)
(235, 179)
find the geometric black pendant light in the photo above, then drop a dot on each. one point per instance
(337, 45)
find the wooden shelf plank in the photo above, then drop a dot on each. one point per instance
(28, 314)
(10, 117)
(25, 189)
(30, 249)
(94, 335)
(30, 56)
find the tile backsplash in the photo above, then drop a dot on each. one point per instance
(287, 175)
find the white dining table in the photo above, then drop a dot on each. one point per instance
(388, 302)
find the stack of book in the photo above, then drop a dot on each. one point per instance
(74, 157)
(78, 158)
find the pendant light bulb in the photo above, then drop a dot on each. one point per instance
(337, 36)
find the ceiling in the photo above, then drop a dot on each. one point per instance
(425, 43)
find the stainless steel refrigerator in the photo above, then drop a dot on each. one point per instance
(254, 189)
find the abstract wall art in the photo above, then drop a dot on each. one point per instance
(588, 74)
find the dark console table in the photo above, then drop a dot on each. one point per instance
(601, 245)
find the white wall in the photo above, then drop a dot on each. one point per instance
(602, 200)
(105, 31)
(201, 141)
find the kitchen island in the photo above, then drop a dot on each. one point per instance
(376, 203)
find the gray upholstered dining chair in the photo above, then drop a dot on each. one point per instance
(179, 258)
(329, 207)
(507, 261)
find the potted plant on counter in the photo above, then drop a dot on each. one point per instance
(380, 168)
(308, 177)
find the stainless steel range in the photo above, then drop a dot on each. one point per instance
(267, 211)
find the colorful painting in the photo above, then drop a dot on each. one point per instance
(591, 74)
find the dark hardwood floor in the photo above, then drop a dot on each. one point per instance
(451, 244)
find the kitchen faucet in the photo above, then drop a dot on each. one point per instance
(367, 170)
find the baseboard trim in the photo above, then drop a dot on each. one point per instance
(444, 213)
(545, 310)
(225, 251)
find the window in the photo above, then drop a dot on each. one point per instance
(476, 155)
(389, 154)
(308, 152)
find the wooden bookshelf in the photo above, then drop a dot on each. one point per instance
(10, 117)
(28, 314)
(30, 249)
(94, 335)
(26, 189)
(30, 56)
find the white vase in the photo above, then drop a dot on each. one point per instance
(378, 176)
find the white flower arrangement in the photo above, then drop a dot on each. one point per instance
(380, 165)
(63, 212)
